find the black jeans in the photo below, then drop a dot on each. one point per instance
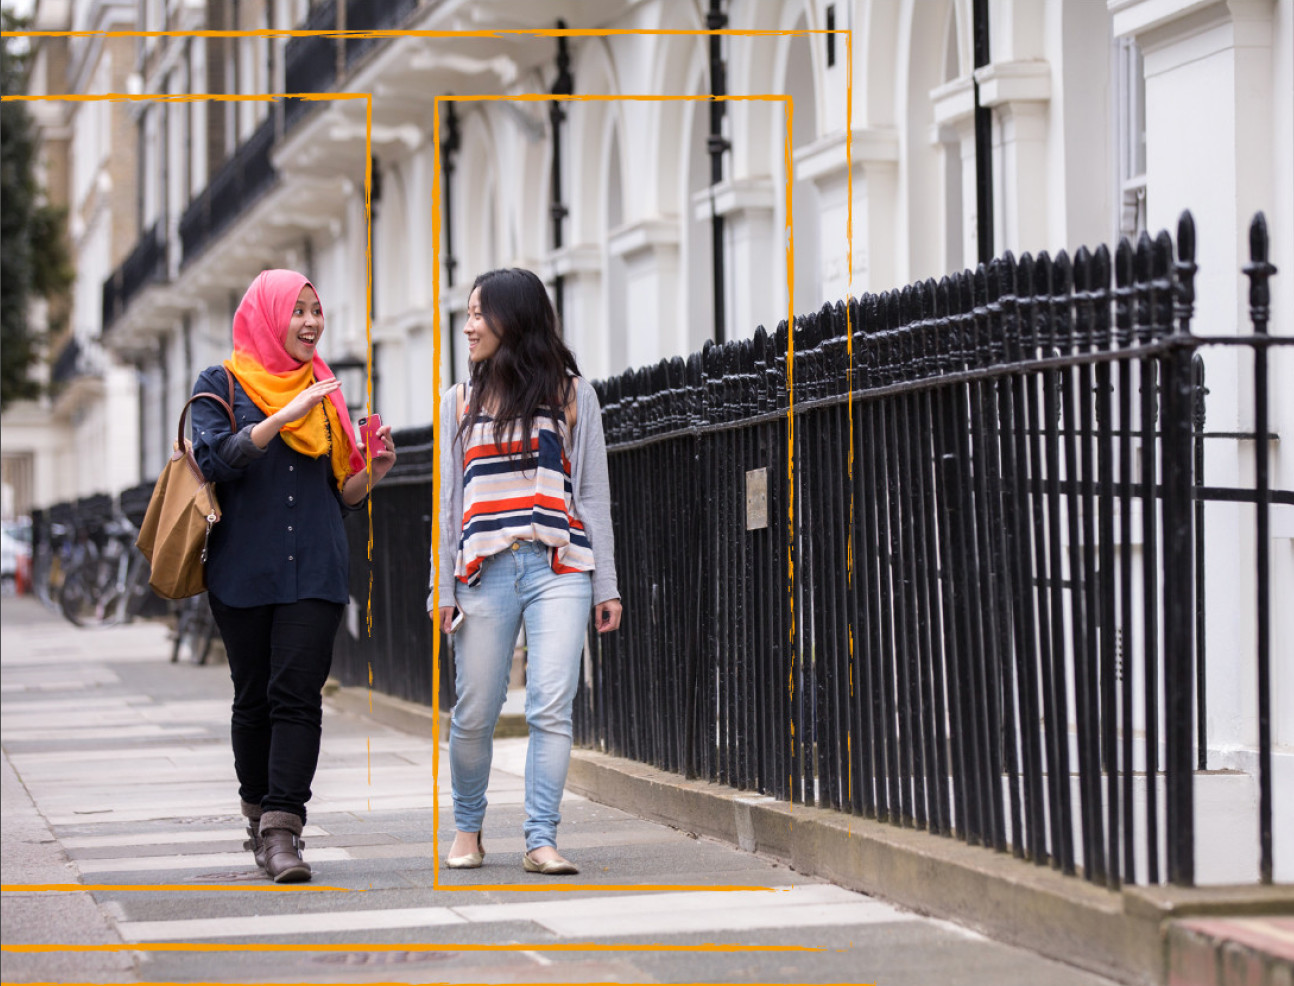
(279, 658)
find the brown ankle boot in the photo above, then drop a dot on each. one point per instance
(283, 862)
(281, 844)
(253, 815)
(256, 844)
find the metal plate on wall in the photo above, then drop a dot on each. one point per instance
(757, 499)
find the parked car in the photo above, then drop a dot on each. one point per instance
(15, 553)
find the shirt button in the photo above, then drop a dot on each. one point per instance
(291, 468)
(291, 499)
(289, 528)
(290, 557)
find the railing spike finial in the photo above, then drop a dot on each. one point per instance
(1186, 236)
(1185, 267)
(1259, 270)
(1123, 258)
(1161, 255)
(1101, 266)
(1258, 242)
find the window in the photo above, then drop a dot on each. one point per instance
(1130, 119)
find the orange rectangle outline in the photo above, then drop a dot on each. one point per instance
(119, 97)
(848, 35)
(436, 387)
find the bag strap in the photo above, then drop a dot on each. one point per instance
(227, 405)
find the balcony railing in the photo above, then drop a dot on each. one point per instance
(77, 358)
(145, 265)
(310, 63)
(364, 15)
(65, 366)
(240, 181)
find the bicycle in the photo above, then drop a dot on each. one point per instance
(195, 630)
(108, 585)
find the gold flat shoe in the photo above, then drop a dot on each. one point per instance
(551, 867)
(471, 861)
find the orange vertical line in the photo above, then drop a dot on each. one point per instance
(368, 338)
(790, 416)
(849, 377)
(435, 494)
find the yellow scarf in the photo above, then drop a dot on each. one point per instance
(320, 432)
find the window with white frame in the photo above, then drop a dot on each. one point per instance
(1130, 119)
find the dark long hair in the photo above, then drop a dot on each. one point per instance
(531, 368)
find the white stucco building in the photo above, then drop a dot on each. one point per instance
(1108, 117)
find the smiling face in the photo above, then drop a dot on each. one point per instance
(482, 341)
(305, 327)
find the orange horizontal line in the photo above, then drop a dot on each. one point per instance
(26, 888)
(408, 947)
(643, 887)
(538, 32)
(17, 888)
(548, 97)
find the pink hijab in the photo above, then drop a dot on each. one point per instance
(274, 377)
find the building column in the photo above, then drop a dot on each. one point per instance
(584, 324)
(1211, 101)
(954, 132)
(751, 244)
(1019, 93)
(650, 327)
(874, 154)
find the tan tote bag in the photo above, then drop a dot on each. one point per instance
(181, 513)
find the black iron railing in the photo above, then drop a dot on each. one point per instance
(394, 655)
(310, 63)
(67, 366)
(364, 15)
(972, 609)
(145, 265)
(241, 180)
(956, 584)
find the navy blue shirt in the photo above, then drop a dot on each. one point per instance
(280, 538)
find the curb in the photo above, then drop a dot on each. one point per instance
(407, 716)
(1124, 935)
(1220, 951)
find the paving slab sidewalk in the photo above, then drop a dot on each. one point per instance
(118, 774)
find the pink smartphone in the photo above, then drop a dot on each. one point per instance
(368, 427)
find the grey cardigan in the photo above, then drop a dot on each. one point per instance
(589, 483)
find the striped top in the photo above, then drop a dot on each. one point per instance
(511, 496)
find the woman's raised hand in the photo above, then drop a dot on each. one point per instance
(294, 410)
(384, 460)
(304, 402)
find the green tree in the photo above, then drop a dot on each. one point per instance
(33, 250)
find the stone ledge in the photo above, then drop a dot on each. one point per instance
(1123, 935)
(411, 717)
(1223, 951)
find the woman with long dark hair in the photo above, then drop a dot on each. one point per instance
(277, 561)
(525, 538)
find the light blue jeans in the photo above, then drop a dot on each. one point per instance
(518, 584)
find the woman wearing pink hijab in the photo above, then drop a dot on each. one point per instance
(277, 562)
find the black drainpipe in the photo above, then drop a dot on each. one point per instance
(983, 138)
(563, 85)
(448, 149)
(716, 20)
(374, 199)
